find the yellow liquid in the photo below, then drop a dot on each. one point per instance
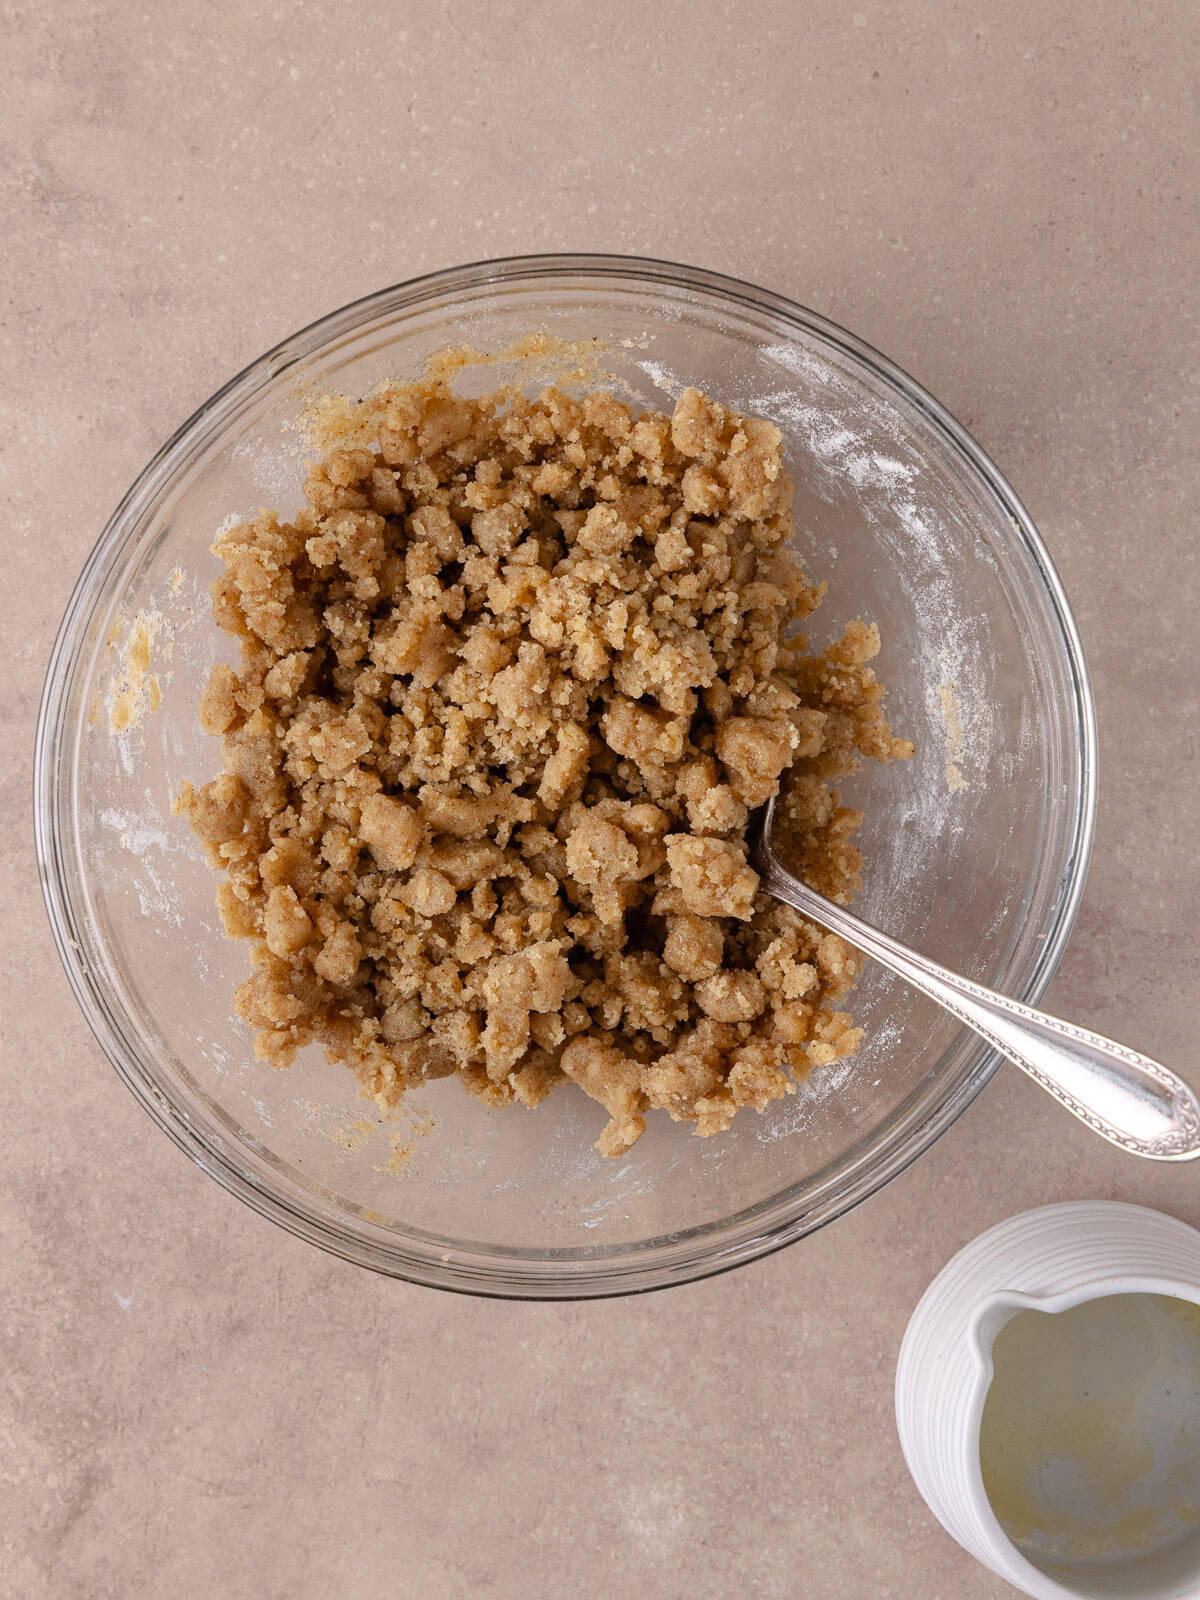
(1090, 1439)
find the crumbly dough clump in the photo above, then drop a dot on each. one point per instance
(510, 685)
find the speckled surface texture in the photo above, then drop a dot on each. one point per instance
(194, 1404)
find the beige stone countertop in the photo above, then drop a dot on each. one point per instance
(192, 1402)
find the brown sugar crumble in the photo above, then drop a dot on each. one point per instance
(510, 685)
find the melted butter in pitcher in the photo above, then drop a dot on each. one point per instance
(1090, 1438)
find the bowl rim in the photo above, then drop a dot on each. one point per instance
(551, 1274)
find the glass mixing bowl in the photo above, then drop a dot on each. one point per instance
(975, 850)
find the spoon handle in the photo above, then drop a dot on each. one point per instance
(1120, 1093)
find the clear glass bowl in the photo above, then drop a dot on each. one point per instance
(976, 850)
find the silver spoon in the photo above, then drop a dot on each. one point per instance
(1119, 1093)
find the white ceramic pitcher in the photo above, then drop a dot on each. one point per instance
(1049, 1260)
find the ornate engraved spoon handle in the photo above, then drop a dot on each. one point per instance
(1120, 1093)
